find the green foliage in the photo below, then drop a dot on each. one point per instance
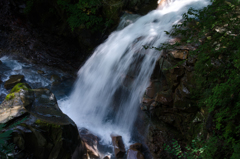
(84, 13)
(5, 147)
(79, 14)
(40, 122)
(215, 30)
(192, 152)
(29, 4)
(10, 96)
(18, 87)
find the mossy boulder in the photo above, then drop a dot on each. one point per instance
(47, 133)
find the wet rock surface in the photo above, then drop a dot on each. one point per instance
(13, 80)
(169, 103)
(134, 154)
(134, 151)
(119, 149)
(90, 142)
(106, 157)
(46, 132)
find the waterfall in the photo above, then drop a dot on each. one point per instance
(110, 85)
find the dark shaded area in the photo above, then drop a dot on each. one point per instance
(41, 44)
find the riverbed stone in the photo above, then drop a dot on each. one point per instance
(134, 154)
(119, 149)
(90, 143)
(13, 80)
(134, 151)
(106, 157)
(137, 146)
(40, 72)
(55, 78)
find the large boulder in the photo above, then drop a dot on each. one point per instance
(47, 133)
(13, 80)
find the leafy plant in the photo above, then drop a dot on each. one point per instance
(192, 152)
(83, 13)
(79, 14)
(5, 147)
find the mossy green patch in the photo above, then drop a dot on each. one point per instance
(43, 123)
(20, 86)
(10, 96)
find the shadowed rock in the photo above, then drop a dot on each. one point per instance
(14, 79)
(90, 143)
(137, 146)
(134, 151)
(134, 154)
(119, 149)
(107, 157)
(46, 133)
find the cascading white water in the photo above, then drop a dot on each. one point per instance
(111, 83)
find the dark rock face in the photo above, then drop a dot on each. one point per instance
(169, 102)
(119, 148)
(46, 132)
(14, 79)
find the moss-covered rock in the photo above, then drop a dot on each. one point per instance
(46, 133)
(19, 86)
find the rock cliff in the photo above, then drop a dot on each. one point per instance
(169, 101)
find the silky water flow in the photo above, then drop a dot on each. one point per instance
(110, 85)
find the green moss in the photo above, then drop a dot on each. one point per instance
(10, 96)
(43, 123)
(18, 87)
